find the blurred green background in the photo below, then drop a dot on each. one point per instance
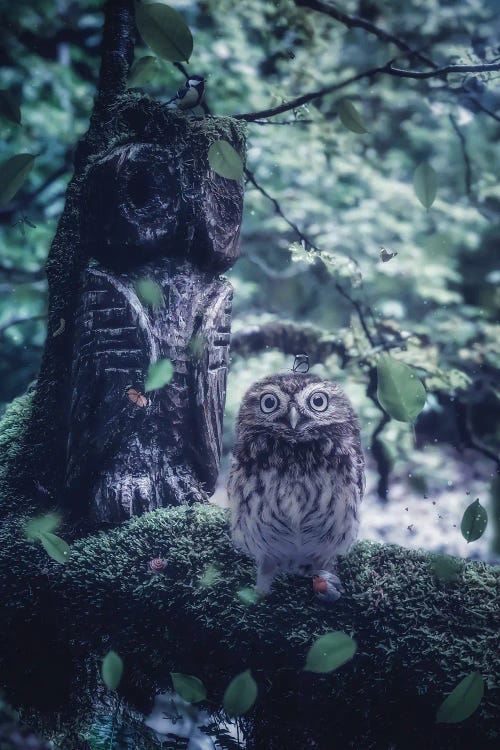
(348, 193)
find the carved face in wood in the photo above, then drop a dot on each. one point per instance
(143, 203)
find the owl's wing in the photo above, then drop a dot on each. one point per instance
(210, 357)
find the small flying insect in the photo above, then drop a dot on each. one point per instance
(137, 398)
(23, 222)
(301, 363)
(386, 255)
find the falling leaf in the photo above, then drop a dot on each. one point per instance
(13, 173)
(399, 391)
(112, 670)
(386, 255)
(210, 576)
(60, 328)
(149, 292)
(137, 398)
(159, 374)
(240, 694)
(9, 107)
(329, 652)
(224, 160)
(143, 70)
(55, 547)
(165, 31)
(196, 346)
(248, 595)
(41, 524)
(462, 701)
(350, 117)
(425, 184)
(190, 688)
(474, 521)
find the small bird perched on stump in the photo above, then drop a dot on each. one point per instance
(190, 95)
(297, 479)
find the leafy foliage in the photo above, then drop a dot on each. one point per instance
(112, 670)
(190, 688)
(159, 374)
(240, 694)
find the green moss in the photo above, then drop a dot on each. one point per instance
(417, 636)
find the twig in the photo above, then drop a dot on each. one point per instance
(465, 155)
(467, 434)
(444, 71)
(309, 245)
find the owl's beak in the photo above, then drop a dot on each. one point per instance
(293, 416)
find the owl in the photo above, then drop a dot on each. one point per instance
(296, 480)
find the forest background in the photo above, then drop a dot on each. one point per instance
(341, 257)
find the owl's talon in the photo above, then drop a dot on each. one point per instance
(327, 587)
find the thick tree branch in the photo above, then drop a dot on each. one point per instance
(290, 339)
(117, 50)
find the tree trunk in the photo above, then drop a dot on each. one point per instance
(143, 203)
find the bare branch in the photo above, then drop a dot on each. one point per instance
(362, 23)
(387, 69)
(444, 71)
(306, 98)
(309, 245)
(463, 145)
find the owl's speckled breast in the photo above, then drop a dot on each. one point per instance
(296, 517)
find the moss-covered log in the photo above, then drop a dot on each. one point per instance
(417, 636)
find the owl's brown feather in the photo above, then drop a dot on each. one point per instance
(297, 475)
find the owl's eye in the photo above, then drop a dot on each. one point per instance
(318, 401)
(268, 402)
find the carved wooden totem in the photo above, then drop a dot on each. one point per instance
(152, 209)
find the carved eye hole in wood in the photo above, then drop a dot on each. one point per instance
(141, 189)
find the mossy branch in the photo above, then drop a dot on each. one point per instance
(417, 636)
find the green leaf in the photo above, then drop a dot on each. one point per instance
(9, 107)
(55, 547)
(425, 184)
(149, 292)
(248, 595)
(329, 652)
(210, 576)
(13, 173)
(399, 391)
(190, 688)
(240, 694)
(112, 670)
(224, 160)
(41, 524)
(143, 70)
(462, 701)
(159, 374)
(165, 31)
(474, 521)
(350, 117)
